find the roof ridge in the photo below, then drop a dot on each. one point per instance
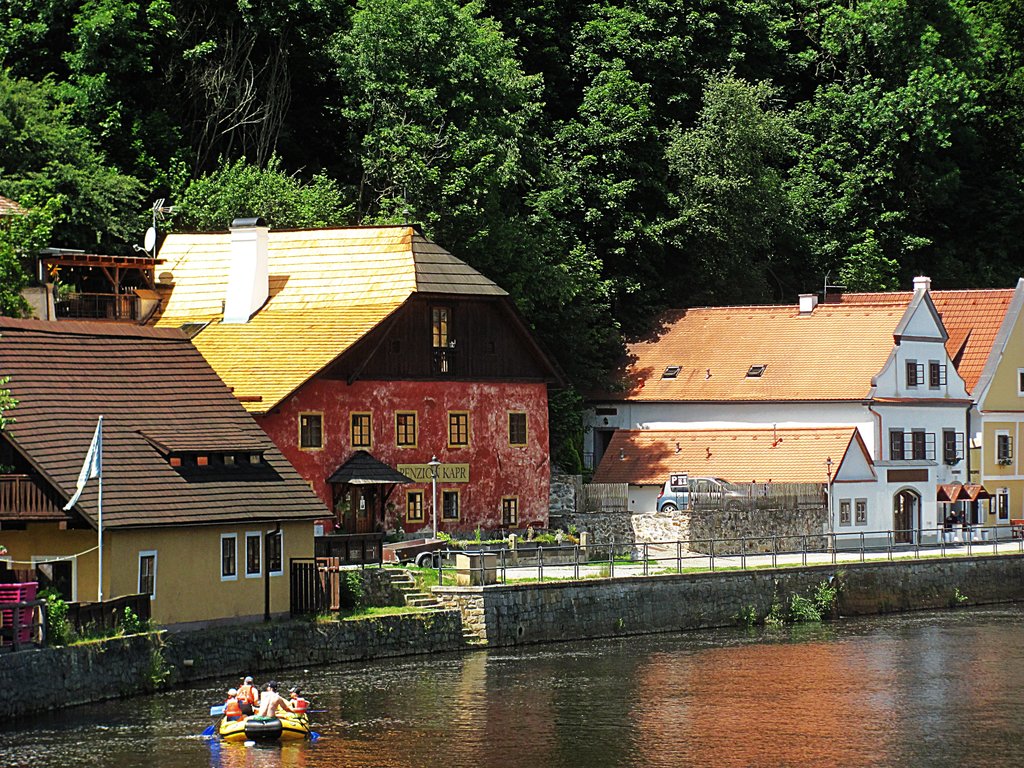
(98, 329)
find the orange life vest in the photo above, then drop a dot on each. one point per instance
(232, 710)
(300, 705)
(248, 693)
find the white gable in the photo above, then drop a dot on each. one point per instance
(855, 465)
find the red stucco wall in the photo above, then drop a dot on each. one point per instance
(496, 469)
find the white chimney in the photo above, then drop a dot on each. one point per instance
(808, 301)
(248, 278)
(922, 283)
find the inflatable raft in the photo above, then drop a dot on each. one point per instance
(263, 729)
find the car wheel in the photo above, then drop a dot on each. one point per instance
(670, 507)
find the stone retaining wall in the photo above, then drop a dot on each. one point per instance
(554, 611)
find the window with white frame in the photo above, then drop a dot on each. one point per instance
(253, 555)
(1003, 504)
(147, 573)
(936, 374)
(845, 516)
(1004, 448)
(861, 512)
(228, 557)
(275, 553)
(1020, 382)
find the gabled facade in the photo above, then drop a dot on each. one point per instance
(881, 367)
(376, 340)
(199, 508)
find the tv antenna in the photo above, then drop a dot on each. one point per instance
(149, 241)
(824, 292)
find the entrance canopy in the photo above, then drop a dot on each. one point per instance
(950, 493)
(364, 469)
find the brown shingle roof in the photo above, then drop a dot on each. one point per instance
(791, 455)
(971, 317)
(143, 381)
(830, 354)
(10, 208)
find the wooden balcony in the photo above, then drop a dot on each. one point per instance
(25, 498)
(98, 306)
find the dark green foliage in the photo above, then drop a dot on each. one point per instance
(600, 159)
(241, 189)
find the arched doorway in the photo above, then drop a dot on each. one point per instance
(906, 512)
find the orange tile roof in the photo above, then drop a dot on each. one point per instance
(972, 319)
(328, 288)
(830, 354)
(648, 457)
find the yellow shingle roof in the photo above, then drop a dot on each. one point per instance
(793, 455)
(830, 354)
(328, 288)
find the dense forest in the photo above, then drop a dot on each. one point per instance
(600, 159)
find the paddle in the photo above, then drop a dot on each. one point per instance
(217, 711)
(209, 730)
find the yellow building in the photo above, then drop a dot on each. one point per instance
(197, 507)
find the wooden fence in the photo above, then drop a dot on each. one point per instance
(109, 614)
(605, 497)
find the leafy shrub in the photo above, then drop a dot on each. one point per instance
(352, 591)
(58, 628)
(803, 609)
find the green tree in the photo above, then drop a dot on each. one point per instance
(46, 155)
(734, 224)
(242, 189)
(21, 238)
(439, 112)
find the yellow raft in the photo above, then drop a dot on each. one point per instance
(284, 727)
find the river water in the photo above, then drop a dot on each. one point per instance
(926, 689)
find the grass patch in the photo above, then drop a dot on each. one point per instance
(374, 611)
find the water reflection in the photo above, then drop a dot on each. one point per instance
(924, 689)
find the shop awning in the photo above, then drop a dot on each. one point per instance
(950, 493)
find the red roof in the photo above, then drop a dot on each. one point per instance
(707, 354)
(788, 455)
(971, 317)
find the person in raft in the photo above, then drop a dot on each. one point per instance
(271, 701)
(299, 704)
(232, 709)
(248, 697)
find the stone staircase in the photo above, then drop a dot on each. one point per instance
(403, 582)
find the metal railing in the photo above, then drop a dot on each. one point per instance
(564, 562)
(98, 306)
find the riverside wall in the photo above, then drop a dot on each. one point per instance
(501, 615)
(513, 614)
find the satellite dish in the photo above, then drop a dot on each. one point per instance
(150, 242)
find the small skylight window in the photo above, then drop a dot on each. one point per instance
(756, 371)
(671, 372)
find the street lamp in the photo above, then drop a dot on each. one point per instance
(828, 499)
(434, 464)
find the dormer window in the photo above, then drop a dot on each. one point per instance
(756, 371)
(671, 372)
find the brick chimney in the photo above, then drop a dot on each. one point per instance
(248, 277)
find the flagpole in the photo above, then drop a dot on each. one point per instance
(99, 504)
